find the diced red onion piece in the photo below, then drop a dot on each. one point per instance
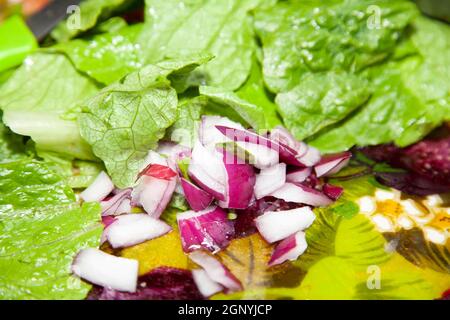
(261, 156)
(208, 133)
(209, 229)
(106, 270)
(333, 192)
(269, 180)
(289, 249)
(282, 135)
(197, 198)
(286, 154)
(99, 189)
(131, 229)
(216, 270)
(205, 284)
(278, 225)
(207, 170)
(298, 175)
(332, 163)
(298, 193)
(154, 157)
(118, 204)
(173, 152)
(240, 181)
(153, 194)
(310, 157)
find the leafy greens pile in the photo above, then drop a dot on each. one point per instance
(335, 73)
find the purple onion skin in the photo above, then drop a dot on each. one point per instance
(163, 283)
(197, 198)
(332, 192)
(282, 248)
(244, 224)
(241, 181)
(211, 231)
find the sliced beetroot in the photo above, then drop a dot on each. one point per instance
(163, 283)
(411, 183)
(239, 183)
(331, 191)
(331, 163)
(209, 229)
(216, 270)
(289, 249)
(276, 226)
(286, 154)
(206, 169)
(269, 180)
(117, 204)
(197, 198)
(298, 193)
(244, 224)
(297, 175)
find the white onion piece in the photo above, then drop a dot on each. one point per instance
(99, 189)
(261, 156)
(118, 204)
(269, 180)
(298, 175)
(216, 270)
(173, 151)
(205, 284)
(154, 157)
(209, 228)
(289, 249)
(153, 194)
(298, 193)
(332, 163)
(278, 225)
(207, 170)
(310, 157)
(208, 133)
(106, 270)
(131, 229)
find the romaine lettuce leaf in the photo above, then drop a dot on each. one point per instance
(411, 96)
(12, 146)
(319, 100)
(222, 28)
(126, 119)
(38, 94)
(90, 13)
(42, 229)
(300, 37)
(105, 57)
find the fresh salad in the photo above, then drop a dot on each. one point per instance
(228, 149)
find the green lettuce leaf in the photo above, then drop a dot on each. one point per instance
(42, 229)
(105, 57)
(126, 119)
(38, 94)
(222, 28)
(314, 36)
(12, 146)
(90, 12)
(319, 100)
(411, 96)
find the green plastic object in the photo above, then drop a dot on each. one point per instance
(16, 42)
